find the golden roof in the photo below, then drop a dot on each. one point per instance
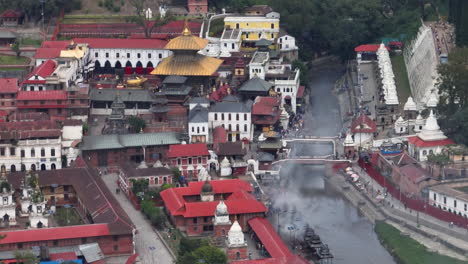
(186, 41)
(77, 52)
(187, 65)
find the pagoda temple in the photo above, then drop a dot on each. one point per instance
(116, 122)
(186, 61)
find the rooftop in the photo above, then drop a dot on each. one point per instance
(186, 41)
(256, 84)
(129, 140)
(458, 190)
(127, 95)
(132, 171)
(8, 85)
(260, 57)
(231, 34)
(118, 43)
(42, 95)
(187, 150)
(188, 65)
(363, 124)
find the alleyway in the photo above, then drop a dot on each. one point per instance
(148, 245)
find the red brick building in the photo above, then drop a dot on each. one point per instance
(8, 92)
(109, 225)
(189, 158)
(114, 150)
(192, 208)
(266, 112)
(156, 177)
(11, 17)
(54, 103)
(198, 6)
(36, 80)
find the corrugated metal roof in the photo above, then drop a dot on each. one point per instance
(129, 140)
(256, 85)
(91, 252)
(198, 114)
(230, 107)
(127, 95)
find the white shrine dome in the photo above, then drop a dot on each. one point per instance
(410, 105)
(433, 101)
(221, 208)
(225, 163)
(419, 120)
(431, 130)
(349, 140)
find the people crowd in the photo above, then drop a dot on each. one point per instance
(443, 35)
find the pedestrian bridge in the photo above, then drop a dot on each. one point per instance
(309, 161)
(310, 139)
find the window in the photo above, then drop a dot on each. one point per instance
(222, 116)
(237, 117)
(229, 117)
(193, 129)
(225, 45)
(445, 200)
(42, 152)
(2, 151)
(33, 153)
(39, 209)
(455, 203)
(237, 127)
(12, 152)
(115, 238)
(190, 160)
(435, 197)
(424, 153)
(272, 25)
(52, 152)
(205, 219)
(233, 46)
(128, 55)
(52, 189)
(216, 117)
(245, 128)
(55, 243)
(160, 55)
(5, 200)
(96, 54)
(65, 188)
(195, 220)
(179, 161)
(199, 160)
(237, 25)
(42, 102)
(138, 55)
(59, 101)
(107, 54)
(273, 36)
(464, 207)
(247, 35)
(245, 117)
(116, 247)
(203, 129)
(22, 153)
(117, 55)
(149, 55)
(40, 88)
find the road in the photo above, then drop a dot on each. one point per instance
(148, 245)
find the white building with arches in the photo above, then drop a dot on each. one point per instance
(133, 55)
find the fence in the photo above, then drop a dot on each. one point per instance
(57, 26)
(414, 204)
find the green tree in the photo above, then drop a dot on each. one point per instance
(166, 186)
(26, 257)
(176, 173)
(137, 124)
(209, 255)
(187, 246)
(15, 47)
(139, 186)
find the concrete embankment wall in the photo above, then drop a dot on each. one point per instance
(421, 63)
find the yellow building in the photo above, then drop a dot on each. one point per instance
(255, 28)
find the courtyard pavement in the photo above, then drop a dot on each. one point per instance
(148, 244)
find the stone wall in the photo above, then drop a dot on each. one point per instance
(421, 63)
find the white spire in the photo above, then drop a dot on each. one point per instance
(348, 140)
(221, 214)
(431, 130)
(235, 236)
(410, 105)
(433, 101)
(419, 120)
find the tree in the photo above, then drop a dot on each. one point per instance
(166, 186)
(209, 255)
(26, 257)
(137, 124)
(148, 23)
(139, 186)
(15, 47)
(187, 245)
(176, 173)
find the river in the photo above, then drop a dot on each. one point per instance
(306, 198)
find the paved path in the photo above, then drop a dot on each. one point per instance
(148, 245)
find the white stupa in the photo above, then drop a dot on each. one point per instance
(203, 175)
(236, 236)
(226, 169)
(433, 101)
(221, 214)
(401, 125)
(431, 130)
(349, 142)
(419, 123)
(410, 105)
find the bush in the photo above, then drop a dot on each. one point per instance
(154, 214)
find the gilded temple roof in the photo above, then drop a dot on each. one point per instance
(186, 41)
(188, 65)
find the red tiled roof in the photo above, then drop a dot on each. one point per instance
(59, 44)
(415, 173)
(368, 125)
(269, 238)
(417, 141)
(109, 43)
(241, 195)
(56, 233)
(266, 105)
(187, 150)
(219, 135)
(47, 53)
(9, 85)
(11, 13)
(43, 70)
(368, 48)
(199, 209)
(174, 197)
(300, 92)
(177, 26)
(284, 260)
(42, 95)
(63, 256)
